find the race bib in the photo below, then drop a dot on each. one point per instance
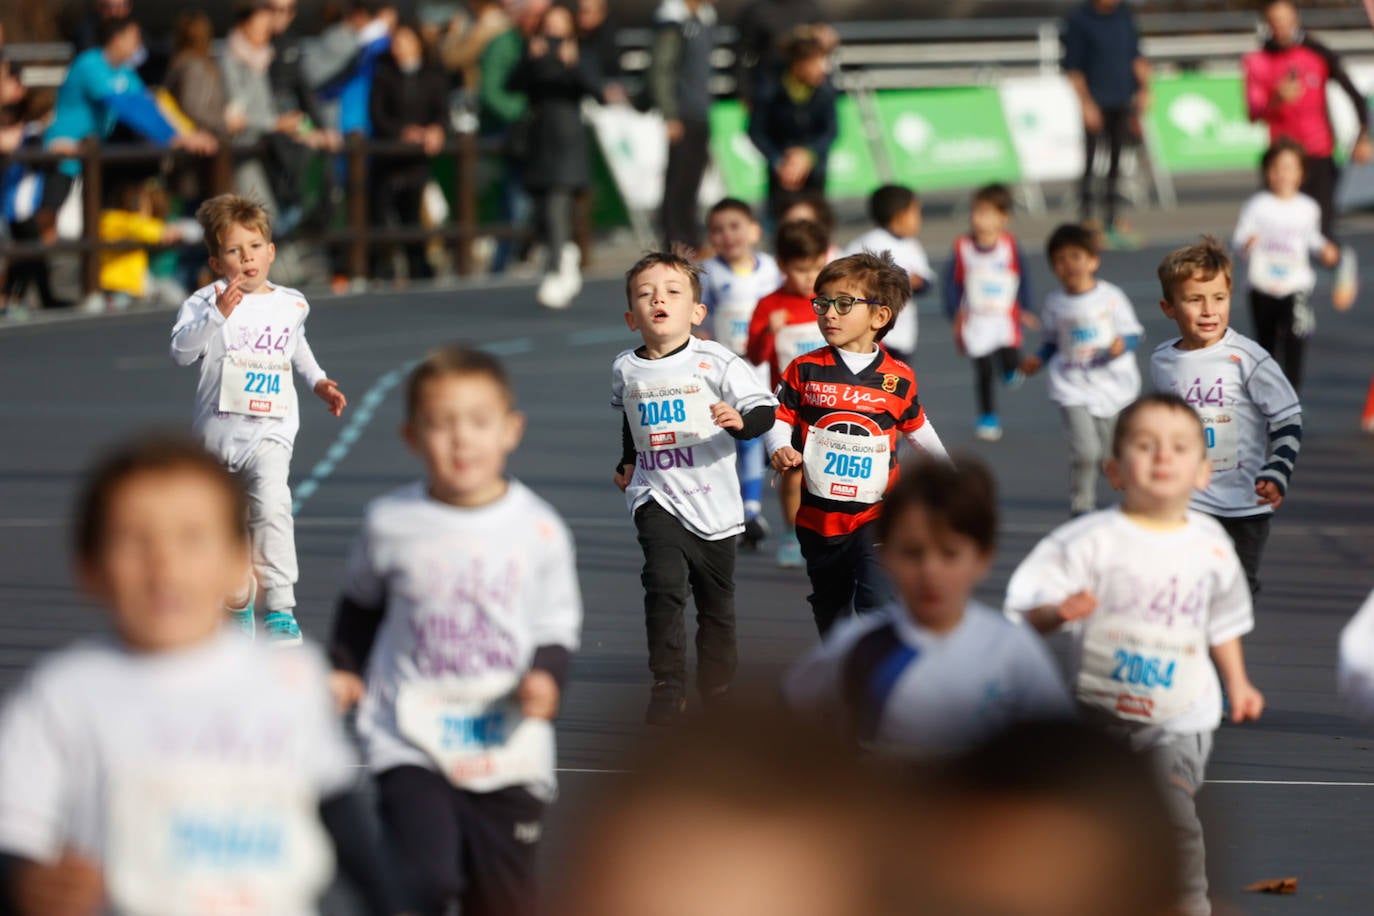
(1275, 265)
(732, 324)
(1219, 427)
(479, 743)
(256, 385)
(212, 840)
(794, 340)
(991, 292)
(669, 414)
(1086, 339)
(844, 467)
(1142, 671)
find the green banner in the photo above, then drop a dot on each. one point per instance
(1200, 124)
(851, 171)
(947, 138)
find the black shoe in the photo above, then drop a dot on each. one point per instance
(667, 705)
(755, 533)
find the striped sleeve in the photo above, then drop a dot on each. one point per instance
(1271, 393)
(1285, 438)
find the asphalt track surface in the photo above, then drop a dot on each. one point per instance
(1292, 795)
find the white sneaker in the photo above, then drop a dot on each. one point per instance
(553, 292)
(570, 269)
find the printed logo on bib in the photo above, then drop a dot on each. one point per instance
(669, 414)
(1218, 423)
(1142, 671)
(1276, 264)
(255, 377)
(991, 291)
(1085, 339)
(847, 460)
(732, 324)
(796, 340)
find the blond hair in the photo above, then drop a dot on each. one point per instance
(1202, 261)
(218, 214)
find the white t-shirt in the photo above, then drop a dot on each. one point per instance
(1156, 591)
(469, 595)
(684, 461)
(1081, 373)
(1356, 670)
(204, 764)
(910, 256)
(730, 297)
(1286, 232)
(1239, 391)
(900, 687)
(248, 357)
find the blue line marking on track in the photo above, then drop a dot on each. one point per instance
(598, 335)
(362, 415)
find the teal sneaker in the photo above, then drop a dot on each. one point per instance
(789, 552)
(243, 621)
(282, 630)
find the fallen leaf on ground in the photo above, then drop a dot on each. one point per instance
(1275, 886)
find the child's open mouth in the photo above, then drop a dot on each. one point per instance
(659, 314)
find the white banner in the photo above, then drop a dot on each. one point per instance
(1046, 126)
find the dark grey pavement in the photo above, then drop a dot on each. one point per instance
(1291, 795)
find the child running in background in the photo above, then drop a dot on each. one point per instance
(949, 672)
(170, 766)
(1251, 414)
(247, 335)
(841, 411)
(1091, 333)
(1149, 590)
(684, 402)
(732, 283)
(896, 215)
(1279, 228)
(988, 297)
(783, 328)
(455, 630)
(813, 207)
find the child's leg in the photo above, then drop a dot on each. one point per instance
(751, 471)
(271, 528)
(1085, 457)
(790, 494)
(501, 832)
(1181, 765)
(830, 566)
(711, 571)
(872, 587)
(1249, 534)
(665, 543)
(1266, 311)
(983, 372)
(1298, 328)
(1008, 362)
(420, 820)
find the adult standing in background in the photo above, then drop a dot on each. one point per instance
(680, 87)
(763, 25)
(794, 122)
(1285, 86)
(1103, 63)
(462, 46)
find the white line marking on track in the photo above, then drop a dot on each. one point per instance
(1287, 782)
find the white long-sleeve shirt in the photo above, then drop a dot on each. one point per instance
(266, 329)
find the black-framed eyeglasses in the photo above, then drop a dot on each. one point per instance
(843, 304)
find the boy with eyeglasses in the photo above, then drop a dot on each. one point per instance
(841, 409)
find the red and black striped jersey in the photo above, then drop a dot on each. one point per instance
(819, 391)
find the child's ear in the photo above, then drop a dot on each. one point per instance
(755, 233)
(1204, 475)
(1167, 308)
(631, 322)
(698, 313)
(215, 267)
(1112, 468)
(91, 579)
(409, 436)
(881, 312)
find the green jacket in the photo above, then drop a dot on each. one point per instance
(498, 107)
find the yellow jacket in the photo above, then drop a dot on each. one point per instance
(126, 271)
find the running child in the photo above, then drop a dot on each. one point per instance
(841, 411)
(896, 214)
(685, 402)
(783, 328)
(1148, 591)
(1091, 332)
(732, 283)
(1278, 229)
(247, 335)
(1250, 412)
(168, 765)
(457, 622)
(951, 671)
(988, 297)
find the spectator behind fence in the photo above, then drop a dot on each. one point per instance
(139, 216)
(410, 104)
(339, 62)
(290, 88)
(794, 123)
(1111, 78)
(680, 87)
(12, 92)
(555, 79)
(763, 26)
(195, 81)
(465, 41)
(596, 30)
(21, 193)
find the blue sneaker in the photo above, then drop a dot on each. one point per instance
(789, 552)
(282, 630)
(1014, 379)
(243, 621)
(989, 429)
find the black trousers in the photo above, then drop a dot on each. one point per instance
(477, 848)
(1273, 316)
(682, 182)
(1116, 124)
(398, 204)
(34, 270)
(1319, 178)
(990, 369)
(1249, 533)
(676, 563)
(846, 577)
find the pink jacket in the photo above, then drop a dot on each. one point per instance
(1305, 120)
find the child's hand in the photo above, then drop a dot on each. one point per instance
(538, 695)
(1117, 348)
(170, 235)
(1077, 606)
(228, 296)
(623, 475)
(959, 319)
(1031, 365)
(72, 886)
(347, 689)
(1030, 321)
(1250, 243)
(1269, 493)
(786, 457)
(327, 390)
(777, 320)
(1331, 254)
(1246, 702)
(726, 417)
